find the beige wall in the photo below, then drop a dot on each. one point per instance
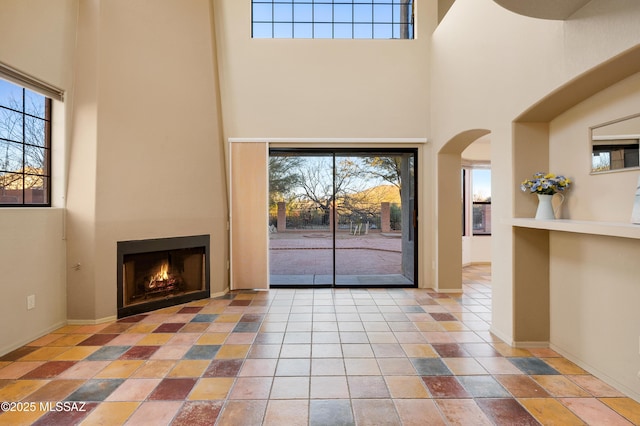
(486, 88)
(476, 250)
(489, 87)
(249, 165)
(32, 263)
(322, 88)
(80, 255)
(138, 99)
(36, 37)
(590, 275)
(594, 305)
(327, 90)
(146, 96)
(157, 158)
(603, 196)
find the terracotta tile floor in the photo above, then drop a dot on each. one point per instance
(305, 357)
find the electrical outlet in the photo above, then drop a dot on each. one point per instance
(31, 301)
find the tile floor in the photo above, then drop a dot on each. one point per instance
(304, 357)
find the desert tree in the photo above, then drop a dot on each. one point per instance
(23, 150)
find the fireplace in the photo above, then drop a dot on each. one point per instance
(158, 273)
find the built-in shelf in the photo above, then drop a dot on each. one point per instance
(611, 229)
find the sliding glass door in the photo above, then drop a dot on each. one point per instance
(342, 217)
(374, 238)
(300, 218)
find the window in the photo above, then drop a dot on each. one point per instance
(25, 147)
(616, 144)
(350, 19)
(614, 157)
(476, 192)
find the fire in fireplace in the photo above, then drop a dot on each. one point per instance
(161, 281)
(157, 273)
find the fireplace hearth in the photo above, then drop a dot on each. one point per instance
(158, 273)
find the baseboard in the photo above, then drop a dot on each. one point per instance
(114, 318)
(506, 339)
(220, 293)
(525, 345)
(448, 290)
(12, 347)
(597, 373)
(98, 321)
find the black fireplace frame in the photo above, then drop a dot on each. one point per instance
(162, 244)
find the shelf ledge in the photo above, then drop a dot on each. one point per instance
(610, 229)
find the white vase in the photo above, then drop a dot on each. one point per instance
(545, 208)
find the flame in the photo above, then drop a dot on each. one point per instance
(162, 275)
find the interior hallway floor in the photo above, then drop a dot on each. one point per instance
(304, 357)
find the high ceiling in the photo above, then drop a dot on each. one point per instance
(544, 9)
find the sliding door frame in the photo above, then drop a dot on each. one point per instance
(363, 150)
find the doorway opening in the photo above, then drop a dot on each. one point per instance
(342, 217)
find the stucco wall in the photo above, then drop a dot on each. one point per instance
(159, 161)
(147, 97)
(603, 196)
(322, 88)
(594, 275)
(36, 37)
(331, 91)
(487, 77)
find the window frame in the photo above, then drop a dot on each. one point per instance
(629, 154)
(24, 145)
(401, 26)
(468, 203)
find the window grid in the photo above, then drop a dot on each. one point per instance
(354, 19)
(476, 206)
(25, 147)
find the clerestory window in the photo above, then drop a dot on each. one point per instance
(25, 147)
(346, 19)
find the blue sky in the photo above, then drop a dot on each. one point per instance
(481, 179)
(328, 19)
(11, 93)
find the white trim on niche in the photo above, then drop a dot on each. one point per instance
(333, 140)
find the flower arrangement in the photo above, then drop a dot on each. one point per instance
(545, 183)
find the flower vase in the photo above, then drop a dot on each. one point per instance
(545, 207)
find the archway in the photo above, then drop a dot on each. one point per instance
(448, 271)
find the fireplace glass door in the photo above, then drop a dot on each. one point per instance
(159, 273)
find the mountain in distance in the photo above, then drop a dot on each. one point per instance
(378, 194)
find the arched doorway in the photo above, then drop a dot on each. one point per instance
(448, 271)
